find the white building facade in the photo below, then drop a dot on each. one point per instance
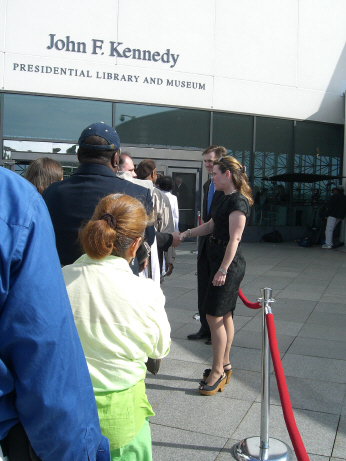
(264, 78)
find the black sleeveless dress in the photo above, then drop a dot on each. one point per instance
(221, 300)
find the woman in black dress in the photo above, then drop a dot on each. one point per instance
(227, 264)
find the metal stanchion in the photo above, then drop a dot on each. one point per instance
(263, 448)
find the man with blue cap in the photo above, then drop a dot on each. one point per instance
(73, 201)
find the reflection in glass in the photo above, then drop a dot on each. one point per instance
(318, 149)
(185, 191)
(234, 132)
(162, 126)
(43, 117)
(274, 149)
(10, 146)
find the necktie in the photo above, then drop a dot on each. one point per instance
(210, 196)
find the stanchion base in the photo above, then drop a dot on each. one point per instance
(249, 450)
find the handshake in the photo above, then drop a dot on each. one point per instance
(178, 238)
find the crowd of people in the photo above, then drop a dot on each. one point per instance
(82, 314)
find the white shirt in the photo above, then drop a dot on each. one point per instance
(175, 209)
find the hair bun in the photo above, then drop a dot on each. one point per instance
(110, 219)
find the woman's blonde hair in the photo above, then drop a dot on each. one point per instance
(239, 176)
(117, 221)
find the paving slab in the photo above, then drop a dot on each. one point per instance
(312, 330)
(188, 329)
(328, 319)
(172, 293)
(285, 303)
(318, 368)
(175, 326)
(183, 315)
(308, 394)
(216, 415)
(298, 314)
(301, 295)
(333, 298)
(315, 347)
(173, 374)
(246, 359)
(253, 340)
(242, 310)
(276, 282)
(333, 308)
(281, 326)
(188, 445)
(339, 450)
(190, 351)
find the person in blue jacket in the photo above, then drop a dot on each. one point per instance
(47, 404)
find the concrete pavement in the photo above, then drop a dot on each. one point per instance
(309, 285)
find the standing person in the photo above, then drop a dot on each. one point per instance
(336, 211)
(181, 192)
(210, 198)
(227, 265)
(121, 322)
(165, 184)
(47, 404)
(126, 165)
(42, 172)
(72, 201)
(146, 170)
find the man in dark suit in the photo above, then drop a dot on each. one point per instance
(210, 197)
(72, 201)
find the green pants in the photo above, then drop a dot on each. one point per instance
(139, 449)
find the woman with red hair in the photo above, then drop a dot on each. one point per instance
(121, 322)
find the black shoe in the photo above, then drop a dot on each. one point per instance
(208, 342)
(200, 335)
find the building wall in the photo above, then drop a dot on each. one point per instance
(283, 59)
(264, 78)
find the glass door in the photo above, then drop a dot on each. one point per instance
(187, 190)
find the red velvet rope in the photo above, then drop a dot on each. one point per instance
(292, 428)
(247, 303)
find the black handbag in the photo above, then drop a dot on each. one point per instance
(153, 365)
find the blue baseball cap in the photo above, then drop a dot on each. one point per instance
(104, 131)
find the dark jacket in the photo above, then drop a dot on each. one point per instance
(336, 206)
(206, 216)
(73, 201)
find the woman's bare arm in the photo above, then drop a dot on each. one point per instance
(236, 221)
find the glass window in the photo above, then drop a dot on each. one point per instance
(318, 150)
(28, 147)
(274, 150)
(20, 167)
(235, 133)
(162, 126)
(43, 117)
